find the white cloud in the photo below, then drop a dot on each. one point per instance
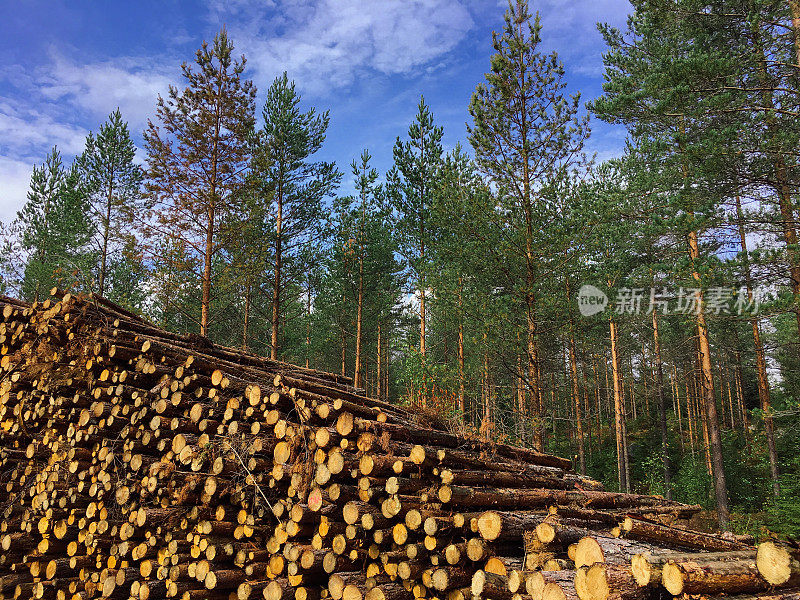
(132, 84)
(328, 44)
(25, 132)
(14, 181)
(69, 99)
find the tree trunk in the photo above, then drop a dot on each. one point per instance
(720, 486)
(795, 8)
(205, 303)
(599, 415)
(246, 324)
(461, 378)
(700, 399)
(644, 381)
(308, 324)
(677, 396)
(276, 292)
(690, 416)
(379, 365)
(619, 411)
(587, 404)
(533, 380)
(761, 363)
(486, 421)
(520, 399)
(740, 393)
(106, 234)
(344, 352)
(576, 398)
(662, 411)
(359, 316)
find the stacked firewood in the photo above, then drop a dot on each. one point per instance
(135, 463)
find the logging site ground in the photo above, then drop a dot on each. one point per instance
(404, 300)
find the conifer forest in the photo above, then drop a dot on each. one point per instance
(639, 315)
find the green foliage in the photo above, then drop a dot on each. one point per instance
(51, 233)
(197, 159)
(692, 481)
(459, 273)
(113, 182)
(285, 179)
(783, 514)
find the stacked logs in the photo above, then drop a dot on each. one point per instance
(135, 463)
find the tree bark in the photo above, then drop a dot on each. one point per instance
(662, 411)
(576, 398)
(461, 377)
(619, 411)
(677, 396)
(795, 8)
(276, 292)
(720, 486)
(533, 377)
(690, 414)
(379, 361)
(106, 233)
(205, 303)
(246, 324)
(308, 323)
(486, 421)
(357, 379)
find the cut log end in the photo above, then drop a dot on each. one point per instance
(775, 563)
(672, 578)
(489, 525)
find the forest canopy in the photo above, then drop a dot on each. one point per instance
(639, 314)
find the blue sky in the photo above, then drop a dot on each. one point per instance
(65, 65)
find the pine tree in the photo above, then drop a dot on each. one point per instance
(526, 134)
(684, 156)
(294, 184)
(365, 178)
(462, 272)
(53, 230)
(198, 158)
(114, 184)
(361, 256)
(411, 183)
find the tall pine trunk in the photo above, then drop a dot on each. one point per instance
(359, 319)
(379, 366)
(486, 419)
(662, 411)
(690, 416)
(461, 373)
(308, 324)
(106, 233)
(619, 410)
(533, 377)
(205, 303)
(423, 316)
(761, 363)
(794, 5)
(576, 398)
(715, 440)
(246, 323)
(677, 398)
(276, 291)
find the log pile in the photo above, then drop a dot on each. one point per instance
(135, 463)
